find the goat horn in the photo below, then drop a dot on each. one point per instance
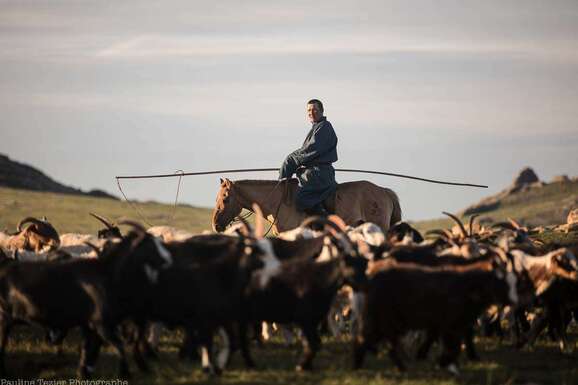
(314, 220)
(515, 224)
(472, 218)
(504, 225)
(93, 247)
(26, 220)
(135, 225)
(457, 220)
(333, 221)
(102, 219)
(442, 233)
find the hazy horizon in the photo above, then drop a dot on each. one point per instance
(467, 92)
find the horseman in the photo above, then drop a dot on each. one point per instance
(312, 163)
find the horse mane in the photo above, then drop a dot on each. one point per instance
(259, 182)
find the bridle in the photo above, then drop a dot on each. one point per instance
(240, 218)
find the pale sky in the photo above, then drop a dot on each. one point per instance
(466, 91)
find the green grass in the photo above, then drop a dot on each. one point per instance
(69, 213)
(29, 357)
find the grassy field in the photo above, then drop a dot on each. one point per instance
(29, 357)
(69, 213)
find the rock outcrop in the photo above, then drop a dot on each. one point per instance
(526, 179)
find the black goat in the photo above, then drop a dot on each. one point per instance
(81, 293)
(439, 301)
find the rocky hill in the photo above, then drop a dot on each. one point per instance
(21, 176)
(526, 185)
(531, 201)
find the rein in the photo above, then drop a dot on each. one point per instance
(276, 216)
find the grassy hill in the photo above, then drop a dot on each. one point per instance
(539, 206)
(69, 213)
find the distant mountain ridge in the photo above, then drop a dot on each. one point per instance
(21, 176)
(526, 181)
(527, 199)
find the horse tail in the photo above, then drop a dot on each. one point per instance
(396, 213)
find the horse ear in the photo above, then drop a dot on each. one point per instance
(222, 181)
(259, 225)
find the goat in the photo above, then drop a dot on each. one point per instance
(401, 232)
(301, 291)
(35, 237)
(555, 278)
(441, 301)
(32, 292)
(213, 270)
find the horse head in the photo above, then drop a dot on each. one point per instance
(227, 206)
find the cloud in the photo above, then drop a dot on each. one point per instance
(162, 46)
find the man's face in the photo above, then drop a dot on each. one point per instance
(313, 113)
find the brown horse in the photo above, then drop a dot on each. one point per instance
(354, 202)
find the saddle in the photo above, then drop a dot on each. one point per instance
(289, 197)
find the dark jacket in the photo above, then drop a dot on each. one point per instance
(312, 164)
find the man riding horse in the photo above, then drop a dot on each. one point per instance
(312, 163)
(287, 204)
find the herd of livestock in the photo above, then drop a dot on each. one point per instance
(376, 286)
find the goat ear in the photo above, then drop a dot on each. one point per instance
(557, 256)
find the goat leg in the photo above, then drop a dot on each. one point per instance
(394, 353)
(5, 328)
(188, 350)
(311, 345)
(138, 345)
(538, 325)
(470, 347)
(110, 333)
(450, 352)
(207, 359)
(244, 341)
(89, 353)
(425, 347)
